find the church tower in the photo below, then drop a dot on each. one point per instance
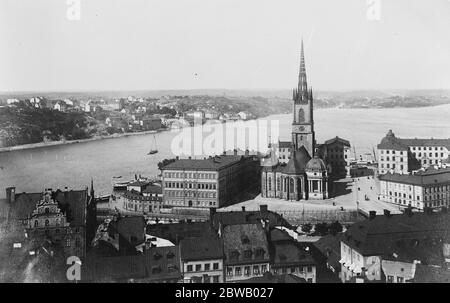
(303, 123)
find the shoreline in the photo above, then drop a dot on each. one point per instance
(68, 142)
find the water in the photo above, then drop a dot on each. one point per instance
(74, 165)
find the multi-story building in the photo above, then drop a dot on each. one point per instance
(142, 197)
(202, 260)
(246, 251)
(209, 182)
(288, 257)
(63, 217)
(428, 188)
(336, 153)
(406, 155)
(378, 247)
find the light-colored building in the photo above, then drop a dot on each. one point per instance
(209, 182)
(428, 188)
(406, 155)
(202, 260)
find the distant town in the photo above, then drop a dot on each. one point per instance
(301, 212)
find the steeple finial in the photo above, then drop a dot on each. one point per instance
(302, 86)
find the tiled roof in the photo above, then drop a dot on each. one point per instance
(246, 217)
(138, 183)
(177, 231)
(384, 235)
(152, 188)
(133, 226)
(237, 239)
(162, 263)
(214, 163)
(270, 278)
(428, 177)
(204, 248)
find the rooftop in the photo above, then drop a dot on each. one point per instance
(428, 177)
(204, 248)
(213, 163)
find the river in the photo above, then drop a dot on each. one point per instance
(74, 165)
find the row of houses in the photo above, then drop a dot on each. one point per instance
(230, 247)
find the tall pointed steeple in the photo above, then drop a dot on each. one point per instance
(302, 85)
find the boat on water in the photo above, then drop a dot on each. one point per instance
(154, 149)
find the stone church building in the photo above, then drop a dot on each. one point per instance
(297, 171)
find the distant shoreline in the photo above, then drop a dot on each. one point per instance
(67, 142)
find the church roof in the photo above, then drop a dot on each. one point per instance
(298, 161)
(316, 165)
(391, 142)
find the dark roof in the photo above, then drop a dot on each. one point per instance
(204, 248)
(391, 142)
(162, 263)
(431, 274)
(316, 165)
(245, 237)
(138, 183)
(388, 234)
(73, 202)
(177, 231)
(152, 188)
(337, 139)
(297, 162)
(279, 235)
(289, 254)
(330, 247)
(213, 163)
(133, 226)
(427, 177)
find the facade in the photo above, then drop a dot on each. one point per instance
(428, 188)
(406, 155)
(142, 197)
(209, 182)
(202, 260)
(246, 251)
(336, 153)
(378, 248)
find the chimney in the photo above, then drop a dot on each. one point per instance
(177, 157)
(243, 208)
(387, 213)
(372, 214)
(235, 152)
(247, 152)
(11, 194)
(190, 158)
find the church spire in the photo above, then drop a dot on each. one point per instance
(302, 85)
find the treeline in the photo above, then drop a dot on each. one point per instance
(23, 124)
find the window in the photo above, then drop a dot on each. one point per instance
(36, 223)
(247, 270)
(399, 279)
(309, 269)
(207, 266)
(77, 242)
(237, 271)
(198, 267)
(189, 268)
(215, 266)
(68, 242)
(215, 279)
(229, 271)
(256, 270)
(47, 222)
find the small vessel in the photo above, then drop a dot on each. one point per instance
(154, 150)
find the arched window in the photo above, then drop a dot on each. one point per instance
(47, 222)
(301, 115)
(36, 223)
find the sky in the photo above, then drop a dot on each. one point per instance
(227, 44)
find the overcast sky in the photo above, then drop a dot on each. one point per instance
(235, 44)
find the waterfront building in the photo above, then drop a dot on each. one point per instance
(141, 197)
(378, 248)
(246, 251)
(202, 260)
(298, 169)
(209, 182)
(427, 188)
(406, 155)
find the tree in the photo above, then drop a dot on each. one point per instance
(335, 228)
(306, 228)
(321, 228)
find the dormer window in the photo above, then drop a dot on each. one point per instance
(234, 255)
(248, 254)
